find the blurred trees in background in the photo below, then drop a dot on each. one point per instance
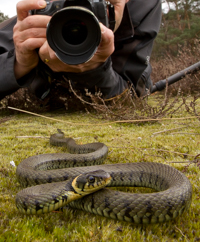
(3, 17)
(180, 27)
(177, 45)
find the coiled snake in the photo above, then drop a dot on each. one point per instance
(173, 198)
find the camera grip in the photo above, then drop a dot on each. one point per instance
(50, 8)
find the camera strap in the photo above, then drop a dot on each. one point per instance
(112, 21)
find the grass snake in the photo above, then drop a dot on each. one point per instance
(173, 196)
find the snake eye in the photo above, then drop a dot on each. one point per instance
(91, 179)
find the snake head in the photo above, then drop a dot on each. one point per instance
(90, 182)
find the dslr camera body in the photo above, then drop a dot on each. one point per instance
(74, 32)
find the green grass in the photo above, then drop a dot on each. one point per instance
(132, 142)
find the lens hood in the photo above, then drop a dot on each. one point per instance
(74, 34)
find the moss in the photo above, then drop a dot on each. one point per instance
(127, 143)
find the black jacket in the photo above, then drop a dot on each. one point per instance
(129, 62)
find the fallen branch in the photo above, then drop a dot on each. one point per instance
(35, 137)
(166, 130)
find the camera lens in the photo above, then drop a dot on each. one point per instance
(74, 32)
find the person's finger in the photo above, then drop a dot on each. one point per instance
(46, 52)
(34, 21)
(30, 33)
(32, 44)
(24, 6)
(106, 46)
(107, 35)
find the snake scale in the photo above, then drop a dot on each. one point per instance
(172, 199)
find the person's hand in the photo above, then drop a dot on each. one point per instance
(105, 49)
(29, 34)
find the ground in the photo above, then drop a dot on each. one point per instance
(173, 141)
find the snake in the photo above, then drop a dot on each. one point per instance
(51, 181)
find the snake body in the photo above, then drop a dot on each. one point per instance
(173, 198)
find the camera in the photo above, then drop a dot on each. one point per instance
(74, 32)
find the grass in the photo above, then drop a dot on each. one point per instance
(165, 141)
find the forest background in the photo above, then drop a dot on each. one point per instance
(177, 45)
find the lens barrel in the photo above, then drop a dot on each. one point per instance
(74, 34)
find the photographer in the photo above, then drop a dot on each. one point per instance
(121, 58)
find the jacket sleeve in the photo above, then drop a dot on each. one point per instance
(146, 18)
(103, 78)
(8, 82)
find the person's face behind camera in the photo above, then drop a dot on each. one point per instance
(119, 10)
